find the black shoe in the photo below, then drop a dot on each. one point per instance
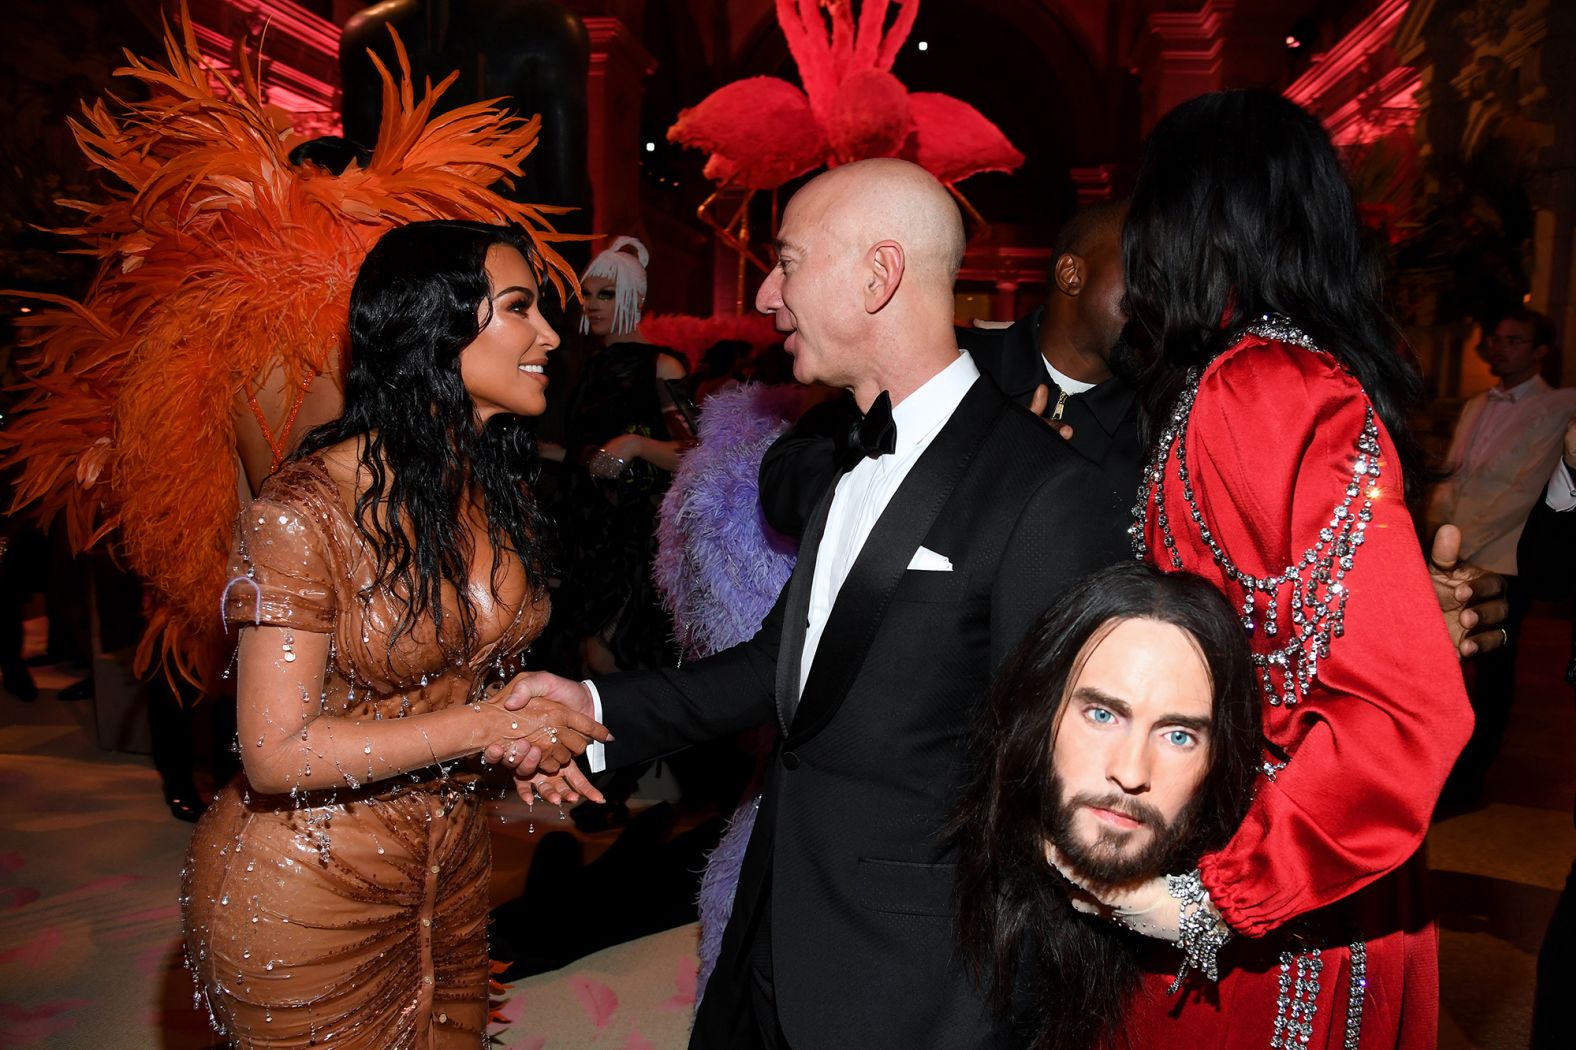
(18, 681)
(82, 690)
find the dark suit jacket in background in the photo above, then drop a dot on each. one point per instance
(1546, 563)
(848, 843)
(802, 463)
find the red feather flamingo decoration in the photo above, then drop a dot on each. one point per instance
(762, 131)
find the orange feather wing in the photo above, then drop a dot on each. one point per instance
(218, 261)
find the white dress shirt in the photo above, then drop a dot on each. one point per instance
(1561, 493)
(1505, 445)
(864, 492)
(860, 497)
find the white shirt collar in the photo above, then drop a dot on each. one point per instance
(933, 403)
(1065, 383)
(1535, 385)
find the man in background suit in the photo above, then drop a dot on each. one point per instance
(919, 569)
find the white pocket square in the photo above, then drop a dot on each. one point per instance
(927, 560)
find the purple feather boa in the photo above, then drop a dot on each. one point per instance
(719, 568)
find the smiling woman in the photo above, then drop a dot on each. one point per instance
(504, 369)
(388, 575)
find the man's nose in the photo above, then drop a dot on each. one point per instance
(770, 295)
(1127, 765)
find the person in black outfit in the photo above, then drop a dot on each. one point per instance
(1546, 554)
(623, 435)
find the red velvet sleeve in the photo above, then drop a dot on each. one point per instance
(1272, 444)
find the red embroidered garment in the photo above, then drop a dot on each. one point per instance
(1271, 447)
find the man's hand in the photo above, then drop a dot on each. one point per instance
(1037, 405)
(554, 713)
(1471, 598)
(533, 684)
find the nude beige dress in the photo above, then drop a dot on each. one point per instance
(356, 917)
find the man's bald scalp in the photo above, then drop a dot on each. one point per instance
(889, 199)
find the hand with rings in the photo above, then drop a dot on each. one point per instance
(540, 734)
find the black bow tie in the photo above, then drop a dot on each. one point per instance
(875, 434)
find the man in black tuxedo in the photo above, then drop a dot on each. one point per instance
(1055, 361)
(920, 567)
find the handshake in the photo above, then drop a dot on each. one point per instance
(547, 722)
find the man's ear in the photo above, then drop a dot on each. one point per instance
(1069, 273)
(883, 273)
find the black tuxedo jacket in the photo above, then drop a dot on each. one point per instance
(800, 464)
(848, 846)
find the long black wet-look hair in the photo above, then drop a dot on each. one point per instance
(417, 302)
(1241, 208)
(1063, 978)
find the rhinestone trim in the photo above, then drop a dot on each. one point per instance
(1356, 992)
(1296, 1005)
(1200, 933)
(1318, 591)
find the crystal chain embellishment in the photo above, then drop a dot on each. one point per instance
(1317, 580)
(1356, 992)
(1295, 1005)
(1200, 933)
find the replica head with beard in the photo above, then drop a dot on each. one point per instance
(1050, 768)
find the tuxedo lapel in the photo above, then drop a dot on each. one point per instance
(796, 615)
(862, 601)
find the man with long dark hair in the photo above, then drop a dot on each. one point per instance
(1124, 730)
(1276, 399)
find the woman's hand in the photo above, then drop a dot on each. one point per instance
(567, 788)
(627, 447)
(1171, 908)
(1145, 906)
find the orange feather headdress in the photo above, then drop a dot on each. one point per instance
(220, 262)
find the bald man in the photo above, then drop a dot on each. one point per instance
(919, 569)
(1056, 361)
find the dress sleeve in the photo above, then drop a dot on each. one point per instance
(1273, 444)
(280, 566)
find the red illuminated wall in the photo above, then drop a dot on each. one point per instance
(299, 51)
